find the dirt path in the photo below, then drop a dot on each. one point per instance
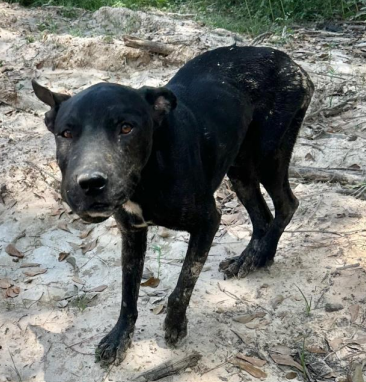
(49, 327)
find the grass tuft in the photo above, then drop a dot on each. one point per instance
(307, 302)
(243, 16)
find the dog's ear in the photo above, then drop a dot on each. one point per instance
(51, 99)
(162, 101)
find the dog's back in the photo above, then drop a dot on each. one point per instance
(224, 93)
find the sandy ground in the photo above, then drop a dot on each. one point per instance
(50, 323)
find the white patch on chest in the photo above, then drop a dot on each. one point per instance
(135, 210)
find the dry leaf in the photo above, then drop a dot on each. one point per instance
(86, 233)
(12, 251)
(253, 360)
(291, 375)
(158, 309)
(99, 288)
(89, 246)
(354, 345)
(281, 349)
(249, 317)
(354, 310)
(29, 265)
(71, 260)
(336, 343)
(12, 292)
(56, 211)
(54, 166)
(308, 156)
(277, 301)
(64, 227)
(316, 350)
(5, 283)
(355, 166)
(152, 282)
(360, 340)
(285, 360)
(257, 324)
(78, 280)
(250, 369)
(63, 255)
(35, 273)
(74, 246)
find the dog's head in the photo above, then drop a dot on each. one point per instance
(104, 139)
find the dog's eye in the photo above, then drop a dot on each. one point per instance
(126, 128)
(66, 134)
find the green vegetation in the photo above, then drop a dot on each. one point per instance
(302, 360)
(157, 249)
(307, 302)
(80, 302)
(248, 16)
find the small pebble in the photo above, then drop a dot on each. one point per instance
(333, 307)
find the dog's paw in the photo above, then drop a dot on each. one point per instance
(230, 266)
(175, 331)
(113, 348)
(247, 262)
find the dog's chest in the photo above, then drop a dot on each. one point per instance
(135, 215)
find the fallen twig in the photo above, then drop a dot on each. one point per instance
(214, 368)
(260, 38)
(151, 46)
(239, 336)
(15, 368)
(345, 267)
(336, 109)
(169, 368)
(326, 175)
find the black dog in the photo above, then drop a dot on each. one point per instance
(155, 156)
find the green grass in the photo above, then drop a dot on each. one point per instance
(245, 16)
(157, 249)
(307, 302)
(80, 302)
(303, 361)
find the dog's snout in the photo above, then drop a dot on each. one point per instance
(92, 183)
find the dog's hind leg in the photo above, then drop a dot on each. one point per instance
(246, 185)
(273, 174)
(205, 226)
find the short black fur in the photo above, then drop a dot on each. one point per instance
(156, 156)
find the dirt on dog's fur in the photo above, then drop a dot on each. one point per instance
(50, 326)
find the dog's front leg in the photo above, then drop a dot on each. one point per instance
(113, 347)
(199, 245)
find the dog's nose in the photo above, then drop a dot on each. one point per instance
(92, 183)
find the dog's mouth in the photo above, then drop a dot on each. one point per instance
(93, 211)
(98, 212)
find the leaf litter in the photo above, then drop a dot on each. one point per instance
(35, 273)
(152, 282)
(63, 256)
(29, 265)
(12, 291)
(12, 251)
(248, 367)
(87, 247)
